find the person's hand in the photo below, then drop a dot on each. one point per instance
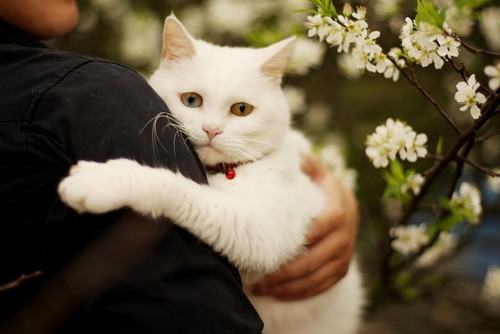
(331, 241)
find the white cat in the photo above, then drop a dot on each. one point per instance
(258, 204)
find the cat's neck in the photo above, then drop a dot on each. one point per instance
(227, 168)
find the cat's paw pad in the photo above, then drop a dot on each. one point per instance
(91, 187)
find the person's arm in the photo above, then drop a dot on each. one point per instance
(181, 286)
(331, 242)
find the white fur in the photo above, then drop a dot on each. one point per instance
(259, 219)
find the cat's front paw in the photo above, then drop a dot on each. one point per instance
(92, 187)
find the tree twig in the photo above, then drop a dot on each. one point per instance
(479, 167)
(487, 136)
(476, 51)
(489, 109)
(460, 166)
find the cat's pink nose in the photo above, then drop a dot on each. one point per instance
(211, 131)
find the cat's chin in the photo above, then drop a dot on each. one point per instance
(210, 155)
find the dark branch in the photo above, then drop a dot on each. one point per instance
(488, 110)
(412, 79)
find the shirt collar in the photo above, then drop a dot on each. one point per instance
(12, 35)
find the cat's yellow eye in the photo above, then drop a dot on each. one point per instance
(241, 109)
(191, 99)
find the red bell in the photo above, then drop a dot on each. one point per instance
(230, 174)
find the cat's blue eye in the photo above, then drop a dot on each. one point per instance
(192, 100)
(241, 109)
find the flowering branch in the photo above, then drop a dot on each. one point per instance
(414, 81)
(425, 41)
(436, 170)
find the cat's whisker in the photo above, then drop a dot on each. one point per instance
(155, 138)
(273, 146)
(252, 156)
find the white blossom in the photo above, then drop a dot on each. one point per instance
(414, 146)
(468, 197)
(490, 26)
(139, 44)
(409, 239)
(317, 26)
(466, 94)
(427, 44)
(360, 13)
(347, 66)
(493, 71)
(305, 55)
(392, 139)
(391, 69)
(461, 20)
(448, 46)
(113, 9)
(413, 183)
(349, 33)
(493, 183)
(296, 98)
(230, 15)
(446, 243)
(347, 9)
(386, 8)
(491, 286)
(333, 158)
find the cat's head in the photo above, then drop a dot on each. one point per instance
(227, 99)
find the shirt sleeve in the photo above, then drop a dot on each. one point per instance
(100, 111)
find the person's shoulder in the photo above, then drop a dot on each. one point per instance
(29, 73)
(92, 67)
(110, 72)
(53, 66)
(75, 74)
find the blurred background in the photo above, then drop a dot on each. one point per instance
(337, 108)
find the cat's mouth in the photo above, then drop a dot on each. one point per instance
(210, 154)
(208, 146)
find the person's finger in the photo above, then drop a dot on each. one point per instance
(333, 217)
(306, 293)
(312, 166)
(309, 285)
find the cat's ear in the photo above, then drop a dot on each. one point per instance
(177, 43)
(277, 56)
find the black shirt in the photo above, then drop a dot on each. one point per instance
(57, 108)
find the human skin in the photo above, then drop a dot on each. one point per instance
(42, 19)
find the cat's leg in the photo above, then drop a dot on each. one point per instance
(239, 230)
(93, 187)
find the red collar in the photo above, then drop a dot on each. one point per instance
(224, 168)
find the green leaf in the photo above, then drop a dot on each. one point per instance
(439, 146)
(326, 7)
(397, 170)
(472, 4)
(455, 214)
(405, 286)
(312, 11)
(395, 177)
(264, 36)
(427, 12)
(410, 293)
